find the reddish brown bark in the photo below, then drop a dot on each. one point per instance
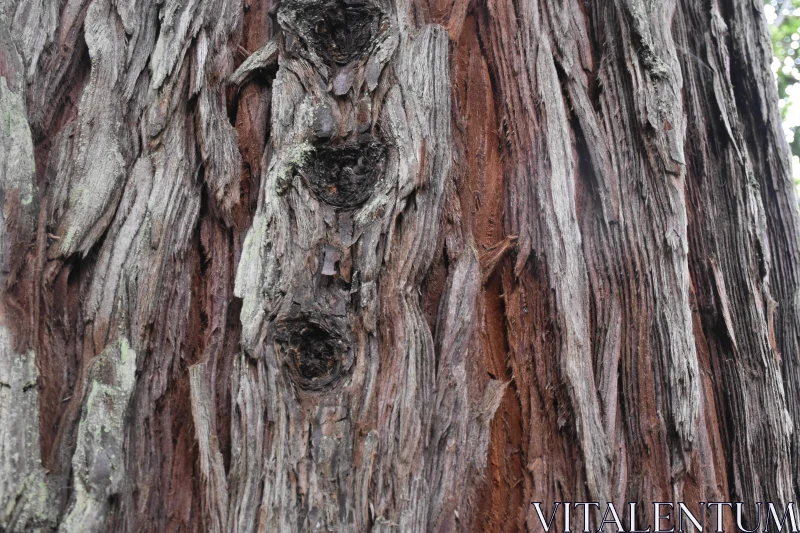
(574, 278)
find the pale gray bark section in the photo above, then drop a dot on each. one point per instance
(25, 493)
(211, 464)
(98, 465)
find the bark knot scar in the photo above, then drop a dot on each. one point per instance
(344, 174)
(315, 353)
(339, 31)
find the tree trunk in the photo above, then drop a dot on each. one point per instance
(361, 265)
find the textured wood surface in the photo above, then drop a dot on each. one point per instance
(373, 265)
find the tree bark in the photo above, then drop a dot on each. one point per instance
(331, 265)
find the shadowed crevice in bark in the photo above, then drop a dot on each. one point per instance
(339, 31)
(316, 353)
(344, 175)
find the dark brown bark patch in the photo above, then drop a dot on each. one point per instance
(315, 351)
(339, 31)
(343, 175)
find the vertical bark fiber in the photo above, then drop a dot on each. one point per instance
(390, 265)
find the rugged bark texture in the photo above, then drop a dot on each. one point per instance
(365, 265)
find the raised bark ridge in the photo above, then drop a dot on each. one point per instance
(371, 265)
(334, 337)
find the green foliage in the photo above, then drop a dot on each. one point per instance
(786, 41)
(783, 17)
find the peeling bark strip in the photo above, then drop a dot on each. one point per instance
(373, 265)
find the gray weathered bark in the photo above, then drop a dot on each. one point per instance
(379, 265)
